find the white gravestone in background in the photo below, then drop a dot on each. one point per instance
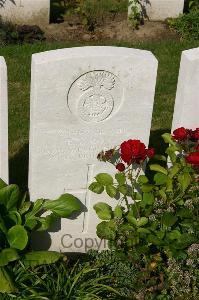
(3, 121)
(33, 12)
(186, 111)
(82, 101)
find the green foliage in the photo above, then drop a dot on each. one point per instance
(187, 25)
(136, 16)
(94, 11)
(194, 4)
(154, 220)
(18, 218)
(63, 280)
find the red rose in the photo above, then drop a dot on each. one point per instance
(150, 152)
(195, 134)
(193, 158)
(133, 151)
(120, 167)
(126, 154)
(180, 134)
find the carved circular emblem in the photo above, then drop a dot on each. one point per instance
(95, 105)
(94, 93)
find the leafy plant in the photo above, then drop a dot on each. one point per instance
(63, 280)
(18, 218)
(136, 16)
(187, 25)
(93, 12)
(194, 4)
(154, 220)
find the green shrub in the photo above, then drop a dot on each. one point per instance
(187, 25)
(155, 219)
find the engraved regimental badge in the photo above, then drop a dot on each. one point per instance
(96, 103)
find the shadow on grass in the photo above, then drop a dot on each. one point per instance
(156, 141)
(18, 168)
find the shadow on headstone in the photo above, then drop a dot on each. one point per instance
(18, 168)
(40, 241)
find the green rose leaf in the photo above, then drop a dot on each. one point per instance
(123, 189)
(160, 178)
(111, 191)
(160, 157)
(147, 187)
(103, 210)
(142, 179)
(158, 168)
(174, 235)
(64, 206)
(120, 177)
(167, 137)
(118, 212)
(17, 237)
(7, 255)
(96, 188)
(130, 217)
(148, 198)
(37, 258)
(106, 230)
(169, 219)
(143, 230)
(142, 221)
(104, 179)
(184, 179)
(174, 170)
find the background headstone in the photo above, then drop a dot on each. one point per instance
(84, 100)
(3, 121)
(34, 12)
(186, 111)
(160, 10)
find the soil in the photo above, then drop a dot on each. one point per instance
(110, 28)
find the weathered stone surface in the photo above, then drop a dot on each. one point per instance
(160, 10)
(84, 100)
(26, 11)
(186, 112)
(3, 121)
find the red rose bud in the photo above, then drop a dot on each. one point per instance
(195, 134)
(193, 158)
(109, 154)
(150, 152)
(180, 134)
(120, 167)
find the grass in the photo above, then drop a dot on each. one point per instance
(18, 60)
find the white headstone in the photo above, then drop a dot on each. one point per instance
(82, 101)
(186, 111)
(3, 121)
(33, 12)
(160, 10)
